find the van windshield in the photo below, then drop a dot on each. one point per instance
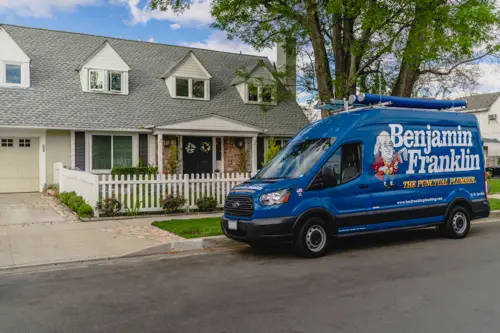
(295, 159)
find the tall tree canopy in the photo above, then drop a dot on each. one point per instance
(399, 46)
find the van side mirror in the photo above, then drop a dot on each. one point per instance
(326, 177)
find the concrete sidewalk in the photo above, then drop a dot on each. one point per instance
(63, 242)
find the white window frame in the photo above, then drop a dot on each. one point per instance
(121, 82)
(3, 74)
(106, 87)
(259, 91)
(135, 149)
(190, 88)
(103, 80)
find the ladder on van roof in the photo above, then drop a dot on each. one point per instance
(374, 101)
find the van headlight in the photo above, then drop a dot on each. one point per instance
(275, 198)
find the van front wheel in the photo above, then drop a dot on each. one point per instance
(458, 224)
(312, 240)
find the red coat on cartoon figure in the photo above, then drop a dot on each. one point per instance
(386, 168)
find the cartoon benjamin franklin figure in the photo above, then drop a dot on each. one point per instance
(386, 160)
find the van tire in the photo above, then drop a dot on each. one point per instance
(457, 225)
(313, 239)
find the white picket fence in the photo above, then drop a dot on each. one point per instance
(147, 192)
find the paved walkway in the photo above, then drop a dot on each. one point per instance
(30, 208)
(67, 239)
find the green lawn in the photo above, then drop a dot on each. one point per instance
(192, 228)
(494, 185)
(494, 204)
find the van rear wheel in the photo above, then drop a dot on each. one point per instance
(458, 224)
(312, 240)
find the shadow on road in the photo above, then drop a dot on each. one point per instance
(362, 242)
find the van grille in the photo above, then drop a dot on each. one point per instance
(239, 205)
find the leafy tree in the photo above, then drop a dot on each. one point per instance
(392, 46)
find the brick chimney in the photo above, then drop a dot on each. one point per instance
(287, 62)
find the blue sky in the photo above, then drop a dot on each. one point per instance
(130, 19)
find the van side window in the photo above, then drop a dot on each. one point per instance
(347, 162)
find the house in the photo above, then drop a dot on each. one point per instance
(95, 103)
(486, 107)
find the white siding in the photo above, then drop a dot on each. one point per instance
(191, 68)
(107, 59)
(9, 50)
(58, 149)
(213, 123)
(242, 91)
(169, 81)
(262, 72)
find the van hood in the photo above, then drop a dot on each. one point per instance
(259, 187)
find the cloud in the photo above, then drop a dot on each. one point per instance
(151, 39)
(175, 26)
(197, 15)
(42, 8)
(218, 41)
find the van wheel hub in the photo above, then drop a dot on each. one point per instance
(459, 222)
(315, 238)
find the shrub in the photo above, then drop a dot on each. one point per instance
(272, 150)
(207, 204)
(147, 170)
(489, 175)
(109, 206)
(172, 159)
(242, 161)
(85, 210)
(173, 203)
(66, 196)
(75, 202)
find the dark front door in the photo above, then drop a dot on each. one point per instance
(197, 154)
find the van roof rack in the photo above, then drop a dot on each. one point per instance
(374, 101)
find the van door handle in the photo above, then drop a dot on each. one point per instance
(363, 186)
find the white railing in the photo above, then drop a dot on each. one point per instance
(83, 183)
(149, 191)
(146, 192)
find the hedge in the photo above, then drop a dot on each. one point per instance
(148, 170)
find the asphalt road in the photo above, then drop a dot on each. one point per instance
(405, 282)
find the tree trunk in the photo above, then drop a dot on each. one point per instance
(321, 63)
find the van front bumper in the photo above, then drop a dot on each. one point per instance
(261, 230)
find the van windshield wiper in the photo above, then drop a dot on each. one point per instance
(273, 178)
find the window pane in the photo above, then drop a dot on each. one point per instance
(101, 152)
(13, 74)
(198, 89)
(115, 81)
(253, 93)
(122, 151)
(182, 87)
(96, 79)
(267, 94)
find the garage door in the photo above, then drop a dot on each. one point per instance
(19, 165)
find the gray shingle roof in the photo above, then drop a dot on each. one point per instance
(482, 101)
(56, 100)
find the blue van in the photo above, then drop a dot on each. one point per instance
(373, 169)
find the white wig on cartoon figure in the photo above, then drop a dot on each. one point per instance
(384, 146)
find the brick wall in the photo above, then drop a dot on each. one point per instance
(232, 155)
(168, 141)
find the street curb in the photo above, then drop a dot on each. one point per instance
(194, 244)
(188, 245)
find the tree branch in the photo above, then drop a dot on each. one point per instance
(448, 72)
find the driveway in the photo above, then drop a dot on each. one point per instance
(21, 208)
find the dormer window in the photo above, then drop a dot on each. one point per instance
(260, 93)
(104, 71)
(191, 88)
(113, 83)
(12, 74)
(186, 77)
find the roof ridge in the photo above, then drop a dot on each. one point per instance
(131, 40)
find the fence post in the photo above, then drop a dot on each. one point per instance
(186, 190)
(95, 194)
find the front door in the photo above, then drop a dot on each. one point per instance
(197, 154)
